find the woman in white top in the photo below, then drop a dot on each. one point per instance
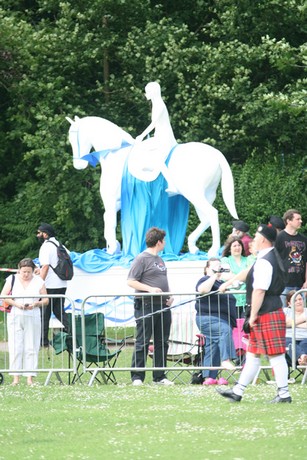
(24, 320)
(300, 327)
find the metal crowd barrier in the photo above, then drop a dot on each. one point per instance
(48, 362)
(119, 328)
(183, 307)
(183, 325)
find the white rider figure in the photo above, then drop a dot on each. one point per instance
(164, 139)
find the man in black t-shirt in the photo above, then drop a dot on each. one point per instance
(148, 274)
(292, 248)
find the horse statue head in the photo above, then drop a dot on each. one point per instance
(78, 144)
(94, 138)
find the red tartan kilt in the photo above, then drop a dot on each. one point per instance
(268, 336)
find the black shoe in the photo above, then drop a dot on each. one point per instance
(229, 394)
(278, 399)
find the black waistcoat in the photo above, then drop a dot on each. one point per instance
(271, 301)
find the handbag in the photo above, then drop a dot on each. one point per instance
(5, 306)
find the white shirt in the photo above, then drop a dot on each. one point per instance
(48, 256)
(300, 333)
(263, 271)
(31, 293)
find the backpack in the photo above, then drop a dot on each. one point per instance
(64, 268)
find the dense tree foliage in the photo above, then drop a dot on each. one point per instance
(233, 74)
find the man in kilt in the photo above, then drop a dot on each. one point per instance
(264, 284)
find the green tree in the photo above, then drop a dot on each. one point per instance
(232, 74)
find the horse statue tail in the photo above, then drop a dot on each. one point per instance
(227, 184)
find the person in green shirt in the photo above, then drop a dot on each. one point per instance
(234, 260)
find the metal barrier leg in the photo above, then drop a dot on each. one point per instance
(304, 376)
(254, 382)
(57, 374)
(95, 372)
(48, 378)
(59, 378)
(265, 370)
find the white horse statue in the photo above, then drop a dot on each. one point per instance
(196, 170)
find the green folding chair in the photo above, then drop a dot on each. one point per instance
(99, 359)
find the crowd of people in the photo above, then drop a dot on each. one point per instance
(269, 269)
(274, 265)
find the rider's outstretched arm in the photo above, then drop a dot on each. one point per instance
(145, 132)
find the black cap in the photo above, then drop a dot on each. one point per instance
(277, 222)
(240, 225)
(46, 228)
(268, 231)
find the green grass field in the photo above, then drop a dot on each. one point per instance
(120, 422)
(149, 422)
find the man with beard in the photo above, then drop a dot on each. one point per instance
(48, 258)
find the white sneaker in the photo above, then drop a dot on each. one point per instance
(164, 382)
(137, 382)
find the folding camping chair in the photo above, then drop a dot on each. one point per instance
(99, 359)
(298, 371)
(293, 374)
(184, 354)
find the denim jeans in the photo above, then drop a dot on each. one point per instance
(219, 342)
(300, 347)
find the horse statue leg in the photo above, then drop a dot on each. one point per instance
(110, 222)
(208, 217)
(110, 195)
(205, 167)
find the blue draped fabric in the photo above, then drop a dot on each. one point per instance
(98, 261)
(145, 205)
(93, 158)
